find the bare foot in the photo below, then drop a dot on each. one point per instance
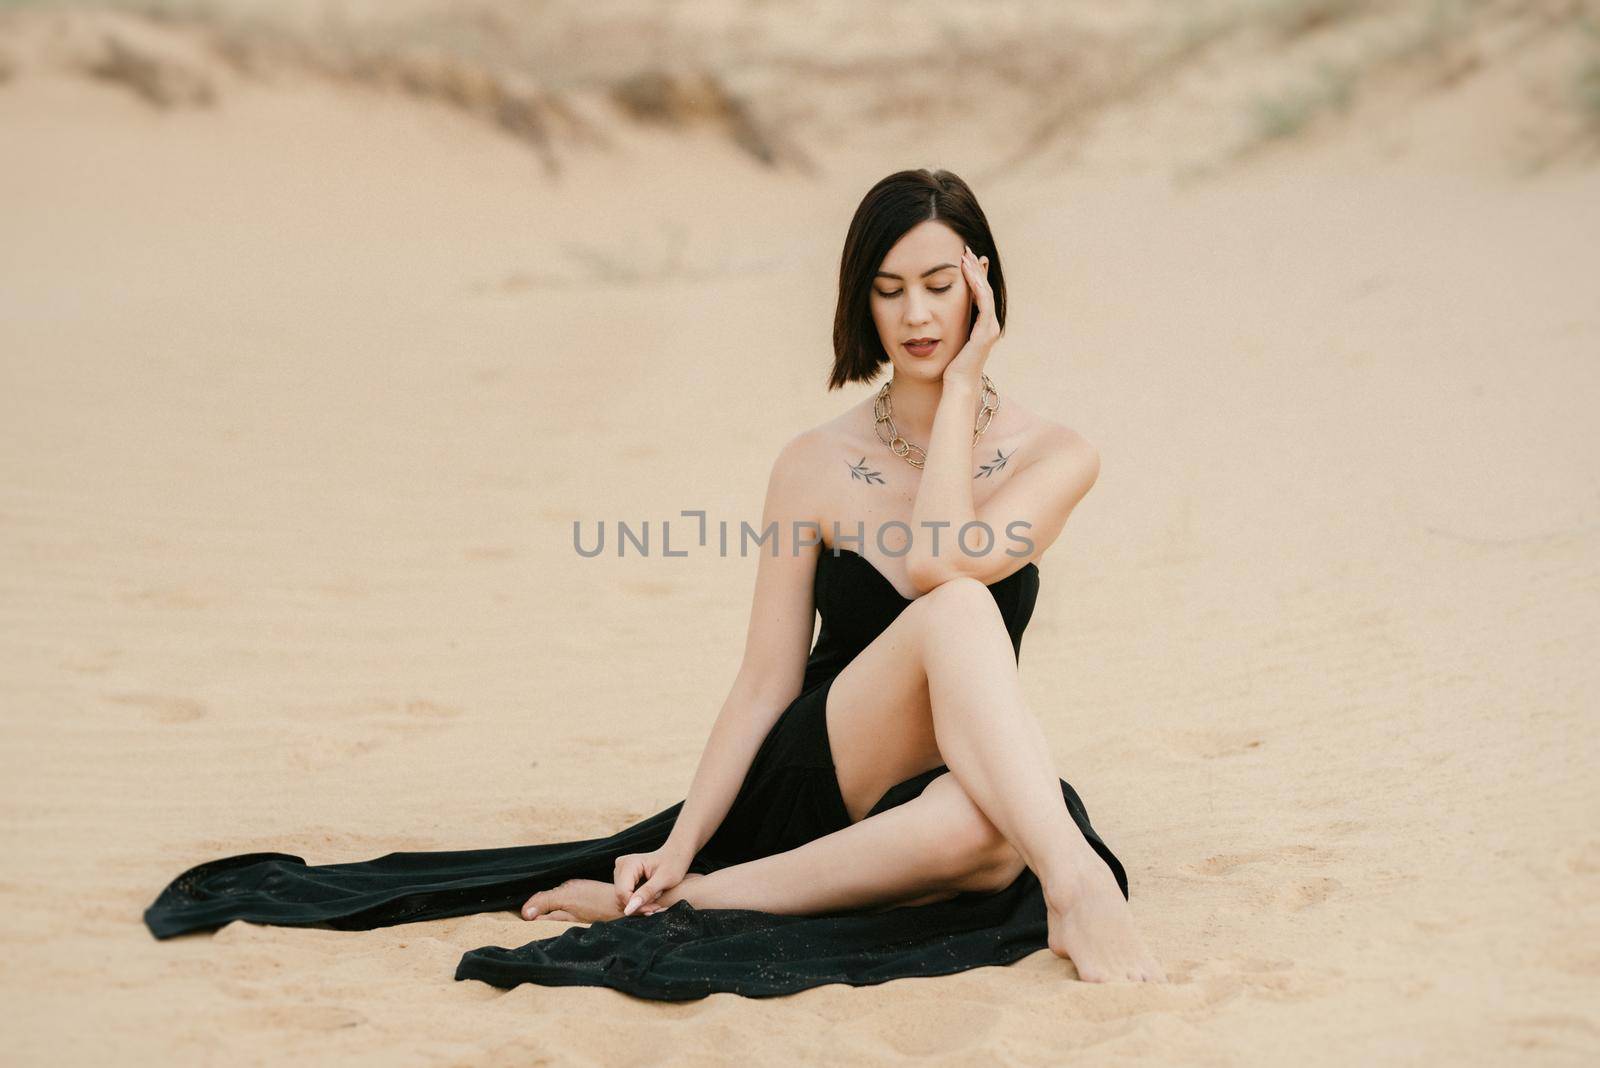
(1092, 925)
(576, 901)
(590, 901)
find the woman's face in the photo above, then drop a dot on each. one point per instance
(921, 292)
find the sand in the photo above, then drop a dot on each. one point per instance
(306, 380)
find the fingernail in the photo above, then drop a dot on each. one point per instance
(633, 903)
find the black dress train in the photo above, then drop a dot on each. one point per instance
(789, 796)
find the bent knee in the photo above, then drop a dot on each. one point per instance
(999, 875)
(972, 848)
(963, 599)
(956, 587)
(992, 862)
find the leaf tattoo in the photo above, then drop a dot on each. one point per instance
(999, 461)
(859, 470)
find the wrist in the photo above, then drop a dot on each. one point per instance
(679, 847)
(961, 385)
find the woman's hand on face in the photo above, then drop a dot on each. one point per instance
(661, 870)
(968, 363)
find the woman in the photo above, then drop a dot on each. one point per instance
(888, 798)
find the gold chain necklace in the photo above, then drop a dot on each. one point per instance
(883, 422)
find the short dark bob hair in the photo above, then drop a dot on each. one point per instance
(890, 208)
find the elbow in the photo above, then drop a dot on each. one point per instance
(920, 582)
(765, 688)
(927, 571)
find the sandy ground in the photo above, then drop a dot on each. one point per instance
(304, 388)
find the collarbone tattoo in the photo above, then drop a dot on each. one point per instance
(999, 461)
(861, 471)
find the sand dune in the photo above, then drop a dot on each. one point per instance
(317, 336)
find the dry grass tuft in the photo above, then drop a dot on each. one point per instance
(157, 80)
(679, 100)
(770, 82)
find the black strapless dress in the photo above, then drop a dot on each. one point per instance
(789, 796)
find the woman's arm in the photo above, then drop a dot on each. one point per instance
(741, 726)
(777, 644)
(1055, 473)
(944, 496)
(1039, 496)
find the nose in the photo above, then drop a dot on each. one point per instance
(916, 311)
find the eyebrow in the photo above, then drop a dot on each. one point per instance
(930, 270)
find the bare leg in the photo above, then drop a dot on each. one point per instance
(940, 685)
(999, 753)
(991, 742)
(930, 848)
(998, 756)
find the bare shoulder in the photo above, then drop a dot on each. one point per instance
(808, 453)
(1054, 443)
(792, 485)
(797, 458)
(1071, 449)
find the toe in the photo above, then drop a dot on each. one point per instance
(539, 905)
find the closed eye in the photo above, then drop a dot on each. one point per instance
(935, 289)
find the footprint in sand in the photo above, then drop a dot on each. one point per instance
(162, 708)
(1223, 978)
(314, 754)
(306, 1016)
(1304, 893)
(1294, 891)
(1562, 1031)
(1577, 959)
(362, 727)
(97, 663)
(1295, 856)
(407, 716)
(1584, 859)
(1224, 863)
